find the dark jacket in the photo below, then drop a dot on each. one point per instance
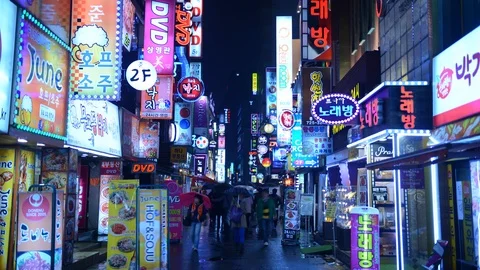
(270, 205)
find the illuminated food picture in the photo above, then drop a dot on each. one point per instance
(118, 228)
(5, 177)
(291, 206)
(291, 194)
(127, 213)
(33, 260)
(291, 214)
(117, 261)
(118, 197)
(126, 244)
(55, 179)
(55, 160)
(22, 181)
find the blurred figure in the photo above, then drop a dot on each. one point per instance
(265, 212)
(197, 214)
(238, 221)
(277, 201)
(248, 210)
(219, 211)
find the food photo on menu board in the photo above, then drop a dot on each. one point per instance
(292, 215)
(121, 250)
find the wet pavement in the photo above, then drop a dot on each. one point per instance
(218, 252)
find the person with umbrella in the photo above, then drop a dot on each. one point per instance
(238, 220)
(197, 214)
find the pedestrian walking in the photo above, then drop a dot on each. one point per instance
(248, 210)
(277, 201)
(238, 221)
(265, 214)
(197, 214)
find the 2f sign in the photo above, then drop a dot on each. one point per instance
(141, 75)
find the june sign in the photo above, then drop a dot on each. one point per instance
(335, 109)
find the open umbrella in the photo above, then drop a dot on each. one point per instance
(186, 199)
(245, 190)
(221, 188)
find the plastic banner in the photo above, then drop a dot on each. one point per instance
(365, 238)
(175, 216)
(149, 238)
(122, 215)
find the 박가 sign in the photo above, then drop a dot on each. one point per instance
(143, 167)
(365, 238)
(334, 109)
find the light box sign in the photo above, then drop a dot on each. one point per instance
(456, 81)
(396, 107)
(183, 23)
(128, 20)
(316, 30)
(7, 162)
(315, 141)
(196, 37)
(41, 96)
(94, 125)
(296, 150)
(190, 89)
(175, 217)
(316, 82)
(271, 95)
(254, 83)
(149, 228)
(199, 164)
(149, 139)
(55, 14)
(160, 35)
(284, 62)
(157, 102)
(365, 238)
(8, 24)
(96, 50)
(201, 113)
(184, 122)
(254, 124)
(196, 69)
(334, 109)
(221, 142)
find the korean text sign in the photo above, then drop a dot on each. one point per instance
(365, 239)
(96, 50)
(195, 48)
(284, 60)
(7, 43)
(42, 83)
(298, 158)
(128, 20)
(316, 82)
(175, 217)
(318, 31)
(456, 80)
(160, 34)
(36, 230)
(7, 173)
(122, 214)
(94, 125)
(150, 228)
(271, 95)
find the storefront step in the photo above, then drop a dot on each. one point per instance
(85, 259)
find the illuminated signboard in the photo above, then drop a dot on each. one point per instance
(335, 109)
(254, 84)
(195, 48)
(296, 150)
(183, 22)
(271, 95)
(42, 80)
(199, 164)
(317, 35)
(157, 102)
(190, 89)
(284, 62)
(316, 82)
(456, 81)
(395, 105)
(254, 124)
(287, 119)
(354, 93)
(365, 238)
(8, 24)
(196, 70)
(159, 35)
(128, 20)
(183, 120)
(95, 67)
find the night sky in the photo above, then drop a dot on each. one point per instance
(239, 37)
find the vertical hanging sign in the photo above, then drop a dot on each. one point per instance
(365, 238)
(284, 74)
(195, 49)
(159, 35)
(96, 50)
(316, 36)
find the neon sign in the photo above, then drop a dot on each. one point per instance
(334, 109)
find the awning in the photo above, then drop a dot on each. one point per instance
(419, 159)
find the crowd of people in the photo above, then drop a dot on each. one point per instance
(241, 213)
